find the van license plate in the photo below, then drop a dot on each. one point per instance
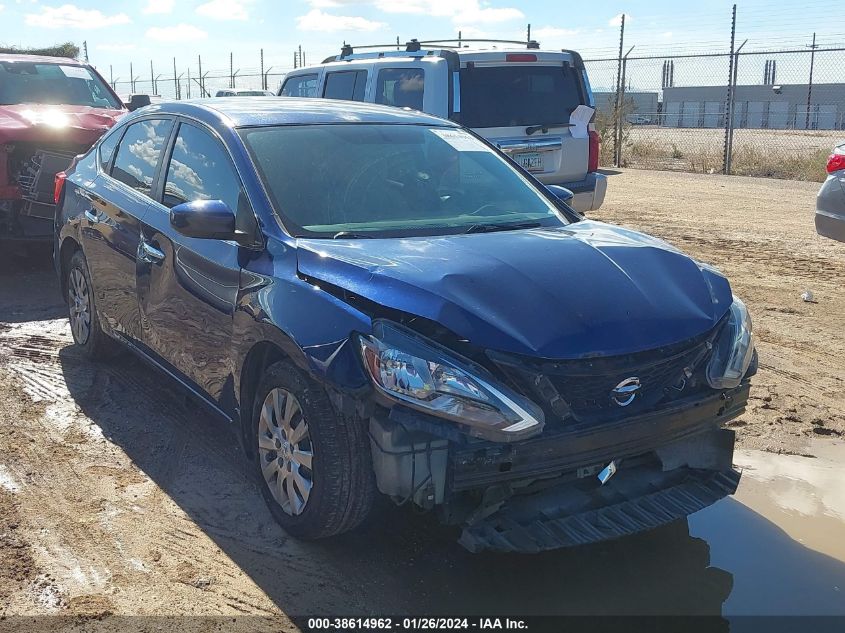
(531, 161)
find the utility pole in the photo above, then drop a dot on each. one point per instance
(263, 80)
(85, 49)
(813, 48)
(152, 78)
(202, 88)
(617, 142)
(528, 39)
(231, 70)
(131, 78)
(729, 102)
(617, 114)
(175, 81)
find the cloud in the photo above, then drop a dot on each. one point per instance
(466, 12)
(667, 35)
(224, 10)
(616, 20)
(69, 16)
(178, 33)
(159, 6)
(316, 20)
(486, 15)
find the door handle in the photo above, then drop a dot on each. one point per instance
(93, 218)
(149, 254)
(93, 197)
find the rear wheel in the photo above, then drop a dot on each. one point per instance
(82, 311)
(313, 466)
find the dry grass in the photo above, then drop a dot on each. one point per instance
(788, 154)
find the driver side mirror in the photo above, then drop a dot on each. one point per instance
(137, 101)
(561, 193)
(208, 219)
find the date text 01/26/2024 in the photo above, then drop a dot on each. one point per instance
(415, 624)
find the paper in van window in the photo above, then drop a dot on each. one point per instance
(460, 140)
(75, 72)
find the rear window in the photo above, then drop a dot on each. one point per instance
(300, 86)
(517, 95)
(349, 85)
(53, 84)
(401, 87)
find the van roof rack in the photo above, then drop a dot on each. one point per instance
(415, 47)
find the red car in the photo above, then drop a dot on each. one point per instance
(51, 109)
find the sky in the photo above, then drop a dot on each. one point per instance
(138, 31)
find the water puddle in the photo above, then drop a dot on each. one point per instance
(782, 537)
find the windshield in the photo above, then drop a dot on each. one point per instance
(517, 95)
(53, 84)
(361, 180)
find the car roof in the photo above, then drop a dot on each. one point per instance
(39, 59)
(258, 111)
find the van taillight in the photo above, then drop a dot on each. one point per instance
(58, 186)
(835, 162)
(595, 146)
(520, 57)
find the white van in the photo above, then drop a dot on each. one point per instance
(520, 99)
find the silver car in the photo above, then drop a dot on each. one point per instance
(830, 203)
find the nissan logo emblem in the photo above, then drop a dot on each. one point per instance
(624, 393)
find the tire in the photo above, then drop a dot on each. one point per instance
(82, 312)
(340, 482)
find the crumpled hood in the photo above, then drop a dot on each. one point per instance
(39, 123)
(586, 289)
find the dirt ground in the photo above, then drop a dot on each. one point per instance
(119, 496)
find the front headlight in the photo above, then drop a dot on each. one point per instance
(733, 350)
(423, 375)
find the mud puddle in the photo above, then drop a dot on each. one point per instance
(782, 537)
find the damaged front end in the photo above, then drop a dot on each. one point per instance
(603, 447)
(27, 181)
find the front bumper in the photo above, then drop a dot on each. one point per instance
(830, 208)
(633, 501)
(542, 493)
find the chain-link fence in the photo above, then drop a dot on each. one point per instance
(195, 81)
(769, 113)
(761, 113)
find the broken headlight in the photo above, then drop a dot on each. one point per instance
(423, 375)
(733, 350)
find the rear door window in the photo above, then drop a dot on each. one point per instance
(348, 84)
(401, 87)
(106, 149)
(300, 86)
(139, 153)
(519, 95)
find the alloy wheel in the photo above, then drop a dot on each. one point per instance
(79, 301)
(285, 451)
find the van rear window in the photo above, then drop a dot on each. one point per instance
(517, 95)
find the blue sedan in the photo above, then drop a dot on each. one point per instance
(382, 303)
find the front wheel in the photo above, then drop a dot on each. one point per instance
(313, 465)
(82, 311)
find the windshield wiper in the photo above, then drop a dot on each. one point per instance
(545, 127)
(349, 235)
(492, 228)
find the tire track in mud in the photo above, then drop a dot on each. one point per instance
(160, 490)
